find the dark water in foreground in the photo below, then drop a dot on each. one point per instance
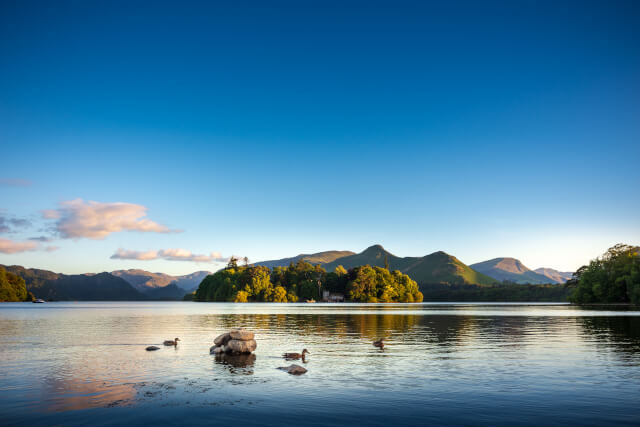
(79, 363)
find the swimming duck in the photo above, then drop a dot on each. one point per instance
(296, 356)
(152, 348)
(379, 343)
(173, 343)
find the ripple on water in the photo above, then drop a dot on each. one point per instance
(468, 363)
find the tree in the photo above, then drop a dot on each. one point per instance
(12, 287)
(279, 294)
(612, 278)
(233, 262)
(241, 296)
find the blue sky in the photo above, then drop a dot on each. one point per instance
(269, 129)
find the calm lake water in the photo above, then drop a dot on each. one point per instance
(79, 363)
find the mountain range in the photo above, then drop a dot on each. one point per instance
(438, 267)
(121, 285)
(144, 281)
(509, 269)
(136, 285)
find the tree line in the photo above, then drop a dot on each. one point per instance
(613, 278)
(304, 281)
(13, 288)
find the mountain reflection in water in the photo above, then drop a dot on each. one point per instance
(76, 363)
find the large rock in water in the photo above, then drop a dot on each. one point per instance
(239, 346)
(222, 339)
(241, 334)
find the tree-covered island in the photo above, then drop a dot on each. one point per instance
(304, 281)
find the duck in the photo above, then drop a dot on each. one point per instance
(152, 348)
(296, 356)
(173, 343)
(379, 343)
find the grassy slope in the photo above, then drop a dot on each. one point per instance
(317, 258)
(374, 256)
(440, 267)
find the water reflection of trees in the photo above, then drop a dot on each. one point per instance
(619, 333)
(336, 325)
(444, 330)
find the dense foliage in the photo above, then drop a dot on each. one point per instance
(611, 279)
(377, 284)
(12, 287)
(304, 281)
(505, 292)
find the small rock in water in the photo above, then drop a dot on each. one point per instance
(152, 348)
(216, 350)
(222, 339)
(293, 369)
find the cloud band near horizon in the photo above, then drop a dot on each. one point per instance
(176, 254)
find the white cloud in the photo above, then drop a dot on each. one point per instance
(95, 220)
(139, 255)
(176, 254)
(11, 247)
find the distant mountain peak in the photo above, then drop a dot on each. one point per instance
(555, 275)
(377, 246)
(510, 269)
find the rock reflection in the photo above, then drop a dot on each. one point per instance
(241, 364)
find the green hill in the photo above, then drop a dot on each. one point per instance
(317, 258)
(438, 267)
(374, 256)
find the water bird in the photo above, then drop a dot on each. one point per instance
(152, 348)
(173, 343)
(379, 343)
(296, 356)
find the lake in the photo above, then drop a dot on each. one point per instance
(471, 364)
